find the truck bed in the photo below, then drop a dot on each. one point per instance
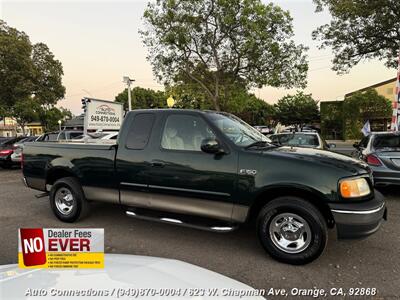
(90, 162)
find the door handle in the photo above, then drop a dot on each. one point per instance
(157, 164)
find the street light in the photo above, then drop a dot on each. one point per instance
(128, 82)
(59, 125)
(170, 102)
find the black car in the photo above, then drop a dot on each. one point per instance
(6, 150)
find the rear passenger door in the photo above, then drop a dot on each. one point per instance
(132, 157)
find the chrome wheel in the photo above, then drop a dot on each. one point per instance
(290, 233)
(64, 201)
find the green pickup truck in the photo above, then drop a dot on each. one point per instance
(210, 170)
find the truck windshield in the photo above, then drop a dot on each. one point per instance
(239, 132)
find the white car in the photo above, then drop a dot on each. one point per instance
(98, 136)
(301, 139)
(122, 277)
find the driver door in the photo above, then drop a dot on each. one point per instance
(184, 179)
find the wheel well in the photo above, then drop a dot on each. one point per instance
(271, 194)
(56, 174)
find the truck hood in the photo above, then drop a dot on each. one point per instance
(336, 160)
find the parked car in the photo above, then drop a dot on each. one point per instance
(263, 129)
(7, 147)
(211, 170)
(19, 146)
(96, 136)
(130, 276)
(381, 151)
(301, 139)
(64, 135)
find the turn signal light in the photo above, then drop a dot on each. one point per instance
(373, 160)
(353, 188)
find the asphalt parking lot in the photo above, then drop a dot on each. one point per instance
(371, 263)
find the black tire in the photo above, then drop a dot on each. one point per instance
(293, 206)
(79, 207)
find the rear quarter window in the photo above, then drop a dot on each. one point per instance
(139, 131)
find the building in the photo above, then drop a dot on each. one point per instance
(34, 129)
(335, 126)
(385, 88)
(10, 128)
(76, 123)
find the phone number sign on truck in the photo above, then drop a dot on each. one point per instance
(105, 115)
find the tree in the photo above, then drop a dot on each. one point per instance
(30, 77)
(16, 66)
(218, 43)
(48, 88)
(363, 106)
(143, 98)
(49, 116)
(360, 29)
(298, 109)
(252, 109)
(25, 111)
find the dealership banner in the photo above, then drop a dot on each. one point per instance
(67, 248)
(102, 114)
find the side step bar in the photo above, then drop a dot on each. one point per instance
(219, 228)
(45, 194)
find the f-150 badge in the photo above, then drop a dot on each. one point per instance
(247, 172)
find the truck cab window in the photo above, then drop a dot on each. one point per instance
(185, 132)
(139, 131)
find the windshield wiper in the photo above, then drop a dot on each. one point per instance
(257, 144)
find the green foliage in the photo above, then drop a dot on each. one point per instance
(241, 103)
(16, 67)
(30, 77)
(298, 109)
(48, 88)
(363, 106)
(360, 29)
(143, 98)
(50, 115)
(219, 43)
(332, 119)
(25, 111)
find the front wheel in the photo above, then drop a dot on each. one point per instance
(292, 230)
(67, 200)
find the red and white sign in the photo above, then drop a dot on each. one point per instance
(394, 126)
(61, 248)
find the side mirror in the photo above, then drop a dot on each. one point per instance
(211, 146)
(331, 146)
(356, 145)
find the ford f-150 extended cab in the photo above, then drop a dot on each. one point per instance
(211, 170)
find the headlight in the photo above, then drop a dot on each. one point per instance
(353, 188)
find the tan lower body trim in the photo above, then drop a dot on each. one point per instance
(177, 204)
(101, 194)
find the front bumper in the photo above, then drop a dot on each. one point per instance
(357, 220)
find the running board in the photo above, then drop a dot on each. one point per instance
(41, 195)
(217, 228)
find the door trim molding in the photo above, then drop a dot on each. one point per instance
(159, 187)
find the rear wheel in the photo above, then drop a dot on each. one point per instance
(67, 200)
(292, 230)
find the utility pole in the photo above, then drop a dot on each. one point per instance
(128, 82)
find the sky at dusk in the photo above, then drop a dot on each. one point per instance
(98, 43)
